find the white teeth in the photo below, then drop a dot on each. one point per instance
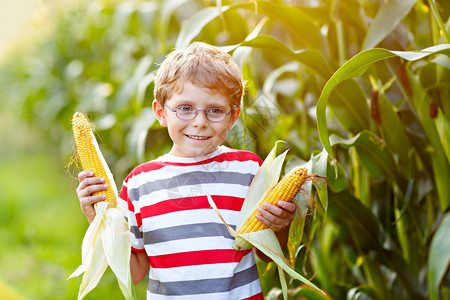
(197, 137)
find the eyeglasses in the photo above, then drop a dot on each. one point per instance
(187, 112)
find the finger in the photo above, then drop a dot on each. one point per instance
(90, 181)
(91, 189)
(91, 200)
(275, 217)
(96, 188)
(266, 221)
(84, 174)
(263, 220)
(268, 216)
(287, 205)
(278, 211)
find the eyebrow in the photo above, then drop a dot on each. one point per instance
(180, 102)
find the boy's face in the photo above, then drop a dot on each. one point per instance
(198, 136)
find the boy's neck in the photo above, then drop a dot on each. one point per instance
(176, 153)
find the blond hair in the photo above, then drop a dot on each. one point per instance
(203, 65)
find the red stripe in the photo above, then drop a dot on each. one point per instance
(124, 192)
(190, 203)
(258, 296)
(237, 155)
(139, 220)
(193, 258)
(130, 206)
(137, 250)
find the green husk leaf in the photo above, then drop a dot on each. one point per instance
(266, 177)
(97, 265)
(117, 248)
(214, 206)
(283, 282)
(94, 261)
(266, 241)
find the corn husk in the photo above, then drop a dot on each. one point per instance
(265, 240)
(106, 242)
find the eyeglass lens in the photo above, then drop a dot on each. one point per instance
(187, 112)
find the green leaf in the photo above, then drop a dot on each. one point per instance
(394, 132)
(301, 25)
(311, 58)
(386, 20)
(438, 19)
(374, 155)
(356, 66)
(307, 292)
(346, 104)
(359, 222)
(439, 257)
(441, 166)
(358, 292)
(137, 136)
(350, 111)
(167, 10)
(195, 24)
(336, 182)
(443, 128)
(142, 88)
(398, 264)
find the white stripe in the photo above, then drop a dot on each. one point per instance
(250, 289)
(187, 245)
(219, 189)
(208, 271)
(195, 217)
(137, 243)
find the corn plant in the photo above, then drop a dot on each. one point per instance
(357, 88)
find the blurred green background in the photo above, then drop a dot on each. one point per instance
(378, 230)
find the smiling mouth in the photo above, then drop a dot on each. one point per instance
(196, 137)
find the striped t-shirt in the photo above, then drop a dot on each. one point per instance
(189, 247)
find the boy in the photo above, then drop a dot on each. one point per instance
(173, 229)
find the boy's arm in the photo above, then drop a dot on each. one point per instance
(279, 219)
(139, 265)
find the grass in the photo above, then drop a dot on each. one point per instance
(41, 224)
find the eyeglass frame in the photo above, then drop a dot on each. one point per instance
(175, 110)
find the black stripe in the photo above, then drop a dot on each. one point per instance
(191, 178)
(136, 232)
(203, 286)
(186, 232)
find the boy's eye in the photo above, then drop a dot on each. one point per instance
(215, 111)
(186, 108)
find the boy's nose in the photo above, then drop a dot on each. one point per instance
(200, 119)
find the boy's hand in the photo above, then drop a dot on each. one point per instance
(278, 218)
(89, 185)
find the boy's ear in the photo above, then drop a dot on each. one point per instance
(233, 119)
(158, 110)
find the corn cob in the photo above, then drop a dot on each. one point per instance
(90, 156)
(284, 190)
